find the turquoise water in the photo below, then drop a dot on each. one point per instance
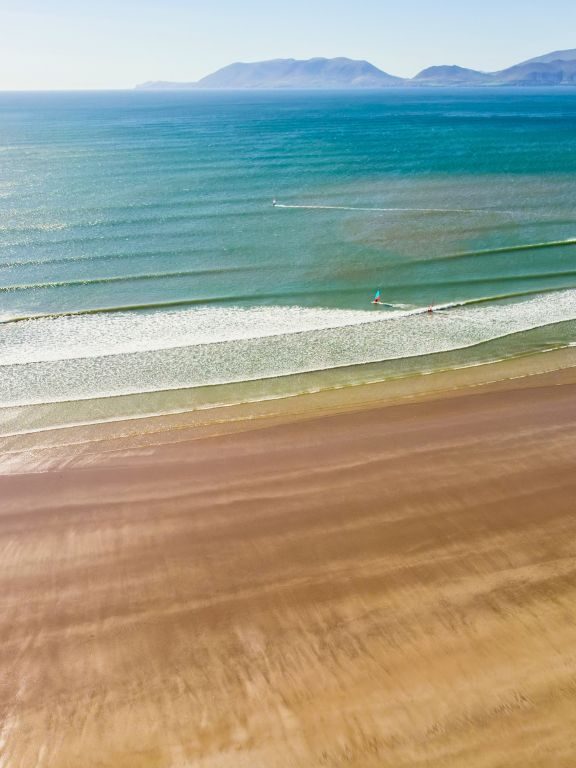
(140, 251)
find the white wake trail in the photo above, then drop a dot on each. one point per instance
(387, 210)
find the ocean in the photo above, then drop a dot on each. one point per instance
(145, 270)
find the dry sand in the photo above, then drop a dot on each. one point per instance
(386, 588)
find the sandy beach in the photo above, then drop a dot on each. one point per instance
(391, 586)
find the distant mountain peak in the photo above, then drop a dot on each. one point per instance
(450, 74)
(315, 73)
(318, 72)
(548, 58)
(551, 69)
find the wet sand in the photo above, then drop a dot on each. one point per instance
(389, 587)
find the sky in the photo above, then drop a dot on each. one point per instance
(84, 44)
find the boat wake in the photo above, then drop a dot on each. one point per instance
(386, 210)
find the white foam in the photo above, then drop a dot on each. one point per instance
(131, 353)
(82, 336)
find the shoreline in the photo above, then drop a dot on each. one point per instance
(385, 585)
(45, 449)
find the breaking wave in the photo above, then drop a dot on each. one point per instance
(85, 356)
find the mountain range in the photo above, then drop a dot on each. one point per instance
(552, 69)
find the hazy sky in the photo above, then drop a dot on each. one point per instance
(118, 43)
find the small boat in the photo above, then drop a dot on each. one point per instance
(377, 299)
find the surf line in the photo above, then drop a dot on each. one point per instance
(385, 210)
